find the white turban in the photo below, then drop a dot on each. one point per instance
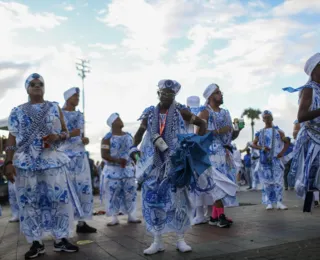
(209, 90)
(193, 101)
(311, 63)
(31, 78)
(70, 92)
(113, 117)
(170, 84)
(266, 112)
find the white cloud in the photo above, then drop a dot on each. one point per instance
(103, 46)
(102, 11)
(18, 16)
(223, 42)
(292, 7)
(95, 55)
(68, 8)
(257, 4)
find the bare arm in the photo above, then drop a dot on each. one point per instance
(63, 123)
(255, 144)
(195, 120)
(235, 135)
(305, 102)
(286, 144)
(205, 116)
(139, 134)
(10, 142)
(9, 169)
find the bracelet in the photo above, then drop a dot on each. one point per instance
(133, 149)
(11, 148)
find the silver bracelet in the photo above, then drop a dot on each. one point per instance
(11, 148)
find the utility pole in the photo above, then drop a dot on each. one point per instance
(83, 68)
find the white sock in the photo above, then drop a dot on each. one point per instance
(80, 223)
(40, 242)
(157, 239)
(132, 216)
(58, 241)
(200, 212)
(180, 237)
(114, 219)
(316, 195)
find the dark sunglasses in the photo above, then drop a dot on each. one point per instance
(32, 84)
(167, 94)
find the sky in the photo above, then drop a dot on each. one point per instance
(251, 49)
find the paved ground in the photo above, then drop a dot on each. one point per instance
(256, 234)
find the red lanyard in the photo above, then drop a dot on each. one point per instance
(163, 124)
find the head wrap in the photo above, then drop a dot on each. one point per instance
(169, 84)
(311, 63)
(193, 101)
(209, 90)
(70, 92)
(113, 117)
(266, 112)
(31, 78)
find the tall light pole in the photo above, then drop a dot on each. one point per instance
(83, 68)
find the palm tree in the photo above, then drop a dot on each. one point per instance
(251, 114)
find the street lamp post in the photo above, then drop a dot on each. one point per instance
(83, 68)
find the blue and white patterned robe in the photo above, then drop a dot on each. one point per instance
(306, 154)
(221, 158)
(271, 175)
(79, 168)
(119, 186)
(41, 182)
(14, 206)
(164, 208)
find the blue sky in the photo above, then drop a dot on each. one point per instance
(250, 48)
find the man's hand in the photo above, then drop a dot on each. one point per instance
(75, 132)
(85, 140)
(280, 155)
(51, 138)
(10, 172)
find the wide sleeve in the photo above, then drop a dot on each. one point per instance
(145, 114)
(13, 122)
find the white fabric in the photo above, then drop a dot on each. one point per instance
(31, 78)
(70, 92)
(266, 112)
(113, 117)
(311, 63)
(193, 101)
(209, 90)
(170, 84)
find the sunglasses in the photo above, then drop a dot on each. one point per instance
(32, 84)
(166, 94)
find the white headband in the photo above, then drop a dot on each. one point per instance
(113, 117)
(70, 92)
(311, 63)
(31, 78)
(170, 84)
(193, 101)
(209, 90)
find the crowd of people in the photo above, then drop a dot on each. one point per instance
(52, 180)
